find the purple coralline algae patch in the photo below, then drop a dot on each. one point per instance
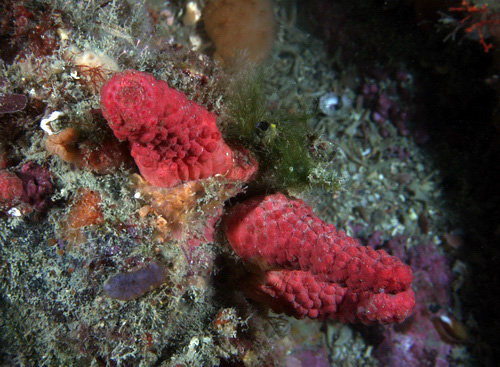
(37, 185)
(308, 358)
(417, 342)
(132, 285)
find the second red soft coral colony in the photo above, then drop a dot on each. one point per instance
(301, 265)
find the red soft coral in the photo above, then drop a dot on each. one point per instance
(308, 268)
(172, 139)
(11, 190)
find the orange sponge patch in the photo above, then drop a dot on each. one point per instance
(240, 28)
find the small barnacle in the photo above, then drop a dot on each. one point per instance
(46, 123)
(330, 103)
(14, 212)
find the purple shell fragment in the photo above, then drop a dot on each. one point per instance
(132, 285)
(12, 102)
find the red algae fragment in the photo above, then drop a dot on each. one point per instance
(132, 285)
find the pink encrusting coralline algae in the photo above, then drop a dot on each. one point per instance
(306, 268)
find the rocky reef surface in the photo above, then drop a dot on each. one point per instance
(132, 131)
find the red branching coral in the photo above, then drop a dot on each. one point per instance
(306, 267)
(478, 17)
(172, 139)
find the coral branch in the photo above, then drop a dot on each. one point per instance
(477, 25)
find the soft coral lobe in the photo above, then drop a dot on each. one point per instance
(11, 190)
(307, 268)
(172, 139)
